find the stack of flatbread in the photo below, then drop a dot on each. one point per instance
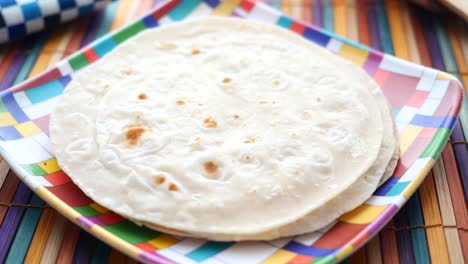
(225, 129)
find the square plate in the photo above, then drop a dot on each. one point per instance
(426, 103)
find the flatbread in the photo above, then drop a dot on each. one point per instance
(189, 128)
(352, 197)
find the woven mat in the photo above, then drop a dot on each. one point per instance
(432, 226)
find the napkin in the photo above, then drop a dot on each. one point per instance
(19, 18)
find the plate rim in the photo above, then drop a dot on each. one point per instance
(98, 231)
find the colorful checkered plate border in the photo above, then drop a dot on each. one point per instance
(426, 103)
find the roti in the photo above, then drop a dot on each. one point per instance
(352, 197)
(224, 129)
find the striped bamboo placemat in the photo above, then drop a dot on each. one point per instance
(433, 225)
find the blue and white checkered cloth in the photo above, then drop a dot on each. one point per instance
(19, 18)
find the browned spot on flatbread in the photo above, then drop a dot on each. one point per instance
(227, 80)
(127, 71)
(210, 122)
(159, 179)
(196, 51)
(250, 140)
(173, 188)
(236, 116)
(142, 96)
(211, 169)
(180, 102)
(133, 133)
